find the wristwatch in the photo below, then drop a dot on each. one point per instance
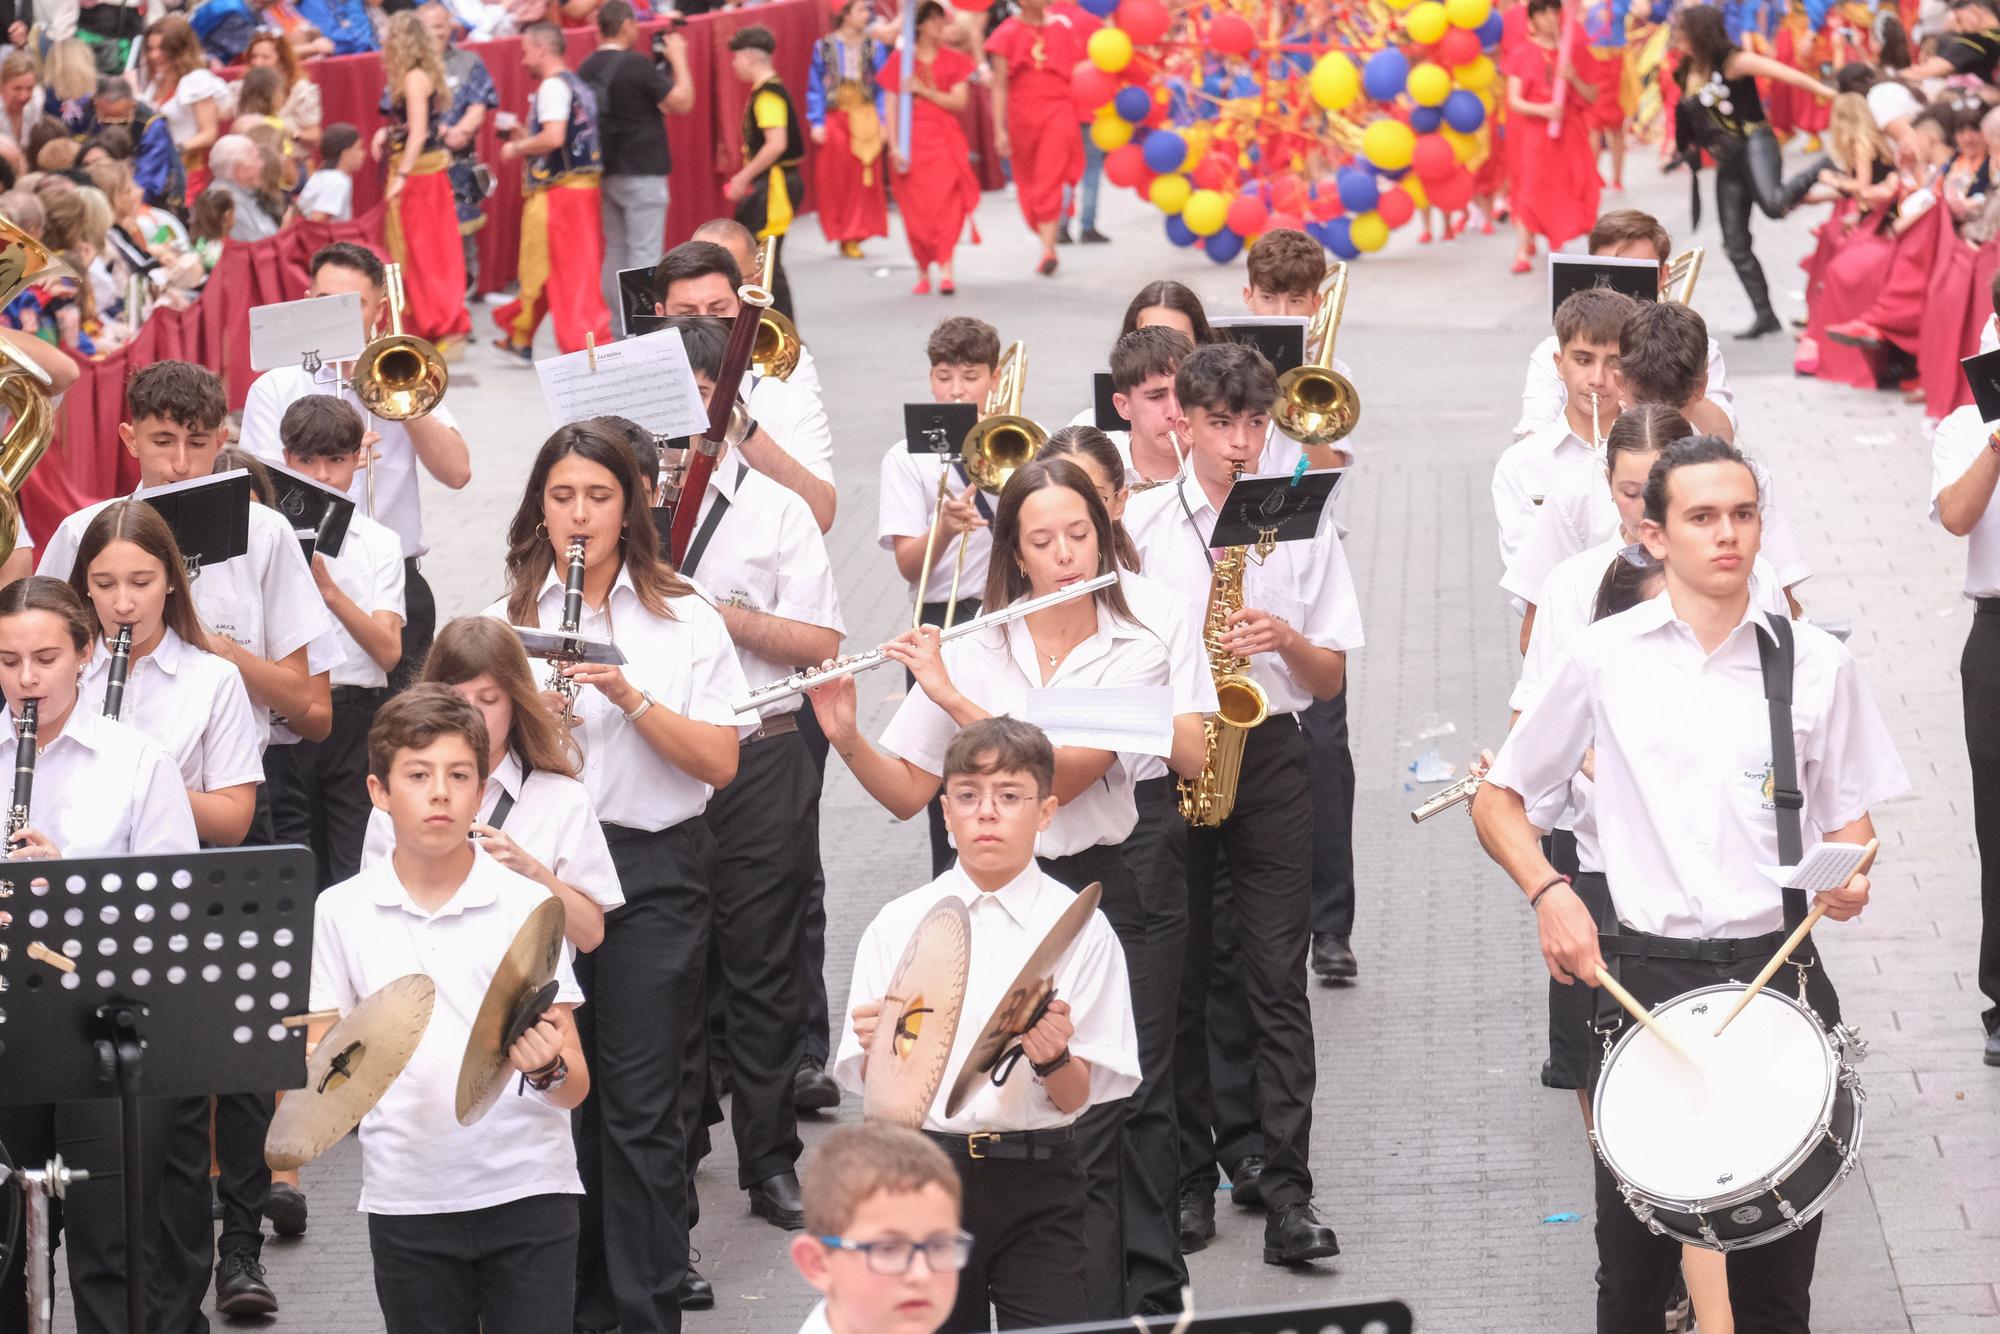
(645, 703)
(1044, 1071)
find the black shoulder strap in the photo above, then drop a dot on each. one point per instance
(978, 497)
(707, 529)
(503, 807)
(1776, 661)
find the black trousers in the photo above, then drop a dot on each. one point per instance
(419, 622)
(1979, 669)
(753, 211)
(942, 853)
(1027, 1223)
(643, 1036)
(1267, 843)
(756, 949)
(812, 941)
(1330, 771)
(1232, 1040)
(319, 789)
(506, 1269)
(1748, 171)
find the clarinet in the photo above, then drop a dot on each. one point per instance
(24, 770)
(121, 666)
(572, 622)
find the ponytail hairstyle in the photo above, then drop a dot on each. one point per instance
(474, 646)
(1093, 444)
(140, 524)
(1642, 429)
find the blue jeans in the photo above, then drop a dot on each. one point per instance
(1081, 200)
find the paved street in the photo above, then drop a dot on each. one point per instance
(1439, 1158)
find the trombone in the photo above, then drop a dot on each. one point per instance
(24, 386)
(1001, 442)
(398, 377)
(1316, 404)
(1682, 271)
(778, 347)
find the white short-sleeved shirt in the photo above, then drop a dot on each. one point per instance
(551, 818)
(552, 101)
(997, 668)
(369, 569)
(1162, 610)
(193, 703)
(767, 554)
(805, 375)
(195, 87)
(105, 789)
(1007, 925)
(793, 417)
(1889, 102)
(1543, 397)
(1528, 471)
(687, 664)
(397, 503)
(816, 1320)
(1683, 741)
(330, 192)
(415, 1156)
(1960, 439)
(907, 505)
(1307, 583)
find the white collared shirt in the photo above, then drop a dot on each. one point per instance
(816, 1321)
(1007, 925)
(1528, 471)
(1163, 611)
(907, 506)
(193, 703)
(104, 789)
(369, 569)
(687, 664)
(805, 375)
(766, 554)
(997, 668)
(398, 505)
(1683, 741)
(415, 1156)
(1543, 397)
(1306, 583)
(551, 818)
(792, 416)
(1961, 438)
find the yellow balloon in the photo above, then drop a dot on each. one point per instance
(1476, 75)
(1389, 144)
(1170, 193)
(1110, 50)
(1426, 22)
(1429, 84)
(1464, 146)
(1206, 212)
(1368, 232)
(1400, 5)
(1468, 13)
(1110, 132)
(1335, 82)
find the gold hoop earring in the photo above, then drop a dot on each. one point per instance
(542, 531)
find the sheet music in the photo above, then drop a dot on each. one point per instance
(328, 326)
(646, 379)
(1136, 721)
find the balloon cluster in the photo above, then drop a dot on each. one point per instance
(1341, 118)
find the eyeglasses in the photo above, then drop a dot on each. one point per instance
(894, 1255)
(1637, 556)
(968, 800)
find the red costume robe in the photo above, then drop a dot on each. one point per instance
(1047, 143)
(938, 192)
(1555, 179)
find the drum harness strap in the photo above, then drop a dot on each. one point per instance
(1775, 656)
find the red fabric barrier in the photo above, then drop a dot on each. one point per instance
(1898, 309)
(1954, 310)
(1843, 276)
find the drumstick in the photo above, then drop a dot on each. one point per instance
(308, 1019)
(1792, 942)
(37, 950)
(1640, 1013)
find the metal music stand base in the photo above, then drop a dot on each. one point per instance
(184, 966)
(1384, 1317)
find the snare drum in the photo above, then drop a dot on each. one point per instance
(1750, 1145)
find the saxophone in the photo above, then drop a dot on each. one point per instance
(1241, 704)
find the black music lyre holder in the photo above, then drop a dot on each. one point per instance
(1375, 1317)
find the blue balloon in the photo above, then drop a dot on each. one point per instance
(1224, 246)
(1338, 241)
(1423, 120)
(1358, 192)
(1164, 151)
(1463, 111)
(1178, 233)
(1490, 32)
(1104, 9)
(1132, 104)
(1385, 74)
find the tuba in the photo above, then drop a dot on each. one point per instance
(24, 386)
(778, 347)
(1241, 704)
(1316, 404)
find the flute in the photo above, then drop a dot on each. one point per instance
(1447, 797)
(24, 771)
(121, 666)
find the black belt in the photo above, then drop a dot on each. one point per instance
(359, 694)
(1986, 606)
(1638, 945)
(783, 725)
(1023, 1146)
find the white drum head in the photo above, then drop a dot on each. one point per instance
(1750, 1101)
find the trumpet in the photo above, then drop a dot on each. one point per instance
(572, 623)
(1316, 404)
(121, 665)
(398, 377)
(1447, 797)
(778, 347)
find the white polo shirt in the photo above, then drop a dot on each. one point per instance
(1528, 471)
(398, 505)
(551, 818)
(193, 703)
(1162, 610)
(1960, 438)
(1543, 397)
(997, 668)
(1306, 583)
(805, 375)
(1007, 925)
(415, 1156)
(104, 789)
(792, 416)
(907, 505)
(767, 554)
(369, 569)
(687, 664)
(1683, 741)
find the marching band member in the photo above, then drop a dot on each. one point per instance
(1143, 365)
(734, 237)
(535, 817)
(1170, 303)
(658, 736)
(1030, 57)
(1297, 622)
(1015, 1145)
(1671, 697)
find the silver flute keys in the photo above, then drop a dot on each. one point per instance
(1447, 797)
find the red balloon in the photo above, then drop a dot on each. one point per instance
(1247, 215)
(1433, 159)
(1163, 107)
(1125, 167)
(1212, 173)
(1459, 46)
(1396, 206)
(1288, 194)
(1092, 84)
(1144, 21)
(1231, 35)
(1453, 192)
(1326, 206)
(1281, 221)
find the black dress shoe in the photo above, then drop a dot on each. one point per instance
(1091, 236)
(285, 1206)
(813, 1089)
(1062, 234)
(1197, 1221)
(1294, 1235)
(1766, 323)
(1333, 960)
(240, 1288)
(776, 1200)
(1993, 1048)
(1246, 1183)
(695, 1292)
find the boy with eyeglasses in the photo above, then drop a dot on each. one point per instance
(882, 1242)
(1014, 1144)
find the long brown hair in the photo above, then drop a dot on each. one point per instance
(178, 44)
(1005, 579)
(140, 524)
(474, 646)
(529, 555)
(1096, 446)
(288, 61)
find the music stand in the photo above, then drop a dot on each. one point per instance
(184, 967)
(210, 517)
(1274, 507)
(1385, 1317)
(938, 428)
(319, 515)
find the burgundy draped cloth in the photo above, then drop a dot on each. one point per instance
(1843, 277)
(1955, 310)
(1898, 308)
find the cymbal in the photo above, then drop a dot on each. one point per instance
(919, 1018)
(349, 1071)
(1025, 1001)
(519, 984)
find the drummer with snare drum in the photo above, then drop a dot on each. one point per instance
(1667, 704)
